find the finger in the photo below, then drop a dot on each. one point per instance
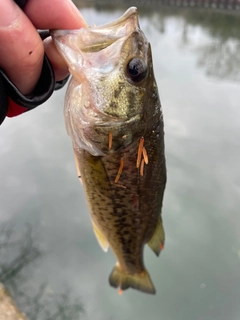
(54, 14)
(21, 48)
(58, 63)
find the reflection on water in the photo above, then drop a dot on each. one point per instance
(196, 63)
(219, 55)
(18, 255)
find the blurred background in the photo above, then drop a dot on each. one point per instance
(50, 260)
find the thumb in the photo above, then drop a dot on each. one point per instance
(21, 48)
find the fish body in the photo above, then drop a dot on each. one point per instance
(113, 116)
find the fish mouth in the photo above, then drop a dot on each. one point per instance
(110, 32)
(96, 52)
(93, 56)
(94, 39)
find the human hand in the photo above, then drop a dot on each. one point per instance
(21, 48)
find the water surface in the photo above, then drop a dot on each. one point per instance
(52, 256)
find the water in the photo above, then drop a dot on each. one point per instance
(51, 258)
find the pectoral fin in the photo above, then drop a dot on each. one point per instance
(77, 165)
(101, 238)
(156, 243)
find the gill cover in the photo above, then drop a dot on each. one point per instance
(94, 55)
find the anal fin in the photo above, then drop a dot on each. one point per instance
(156, 243)
(100, 237)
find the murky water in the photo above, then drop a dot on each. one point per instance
(51, 258)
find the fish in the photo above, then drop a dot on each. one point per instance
(114, 118)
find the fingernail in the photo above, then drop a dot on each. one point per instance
(8, 13)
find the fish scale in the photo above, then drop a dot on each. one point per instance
(114, 118)
(117, 208)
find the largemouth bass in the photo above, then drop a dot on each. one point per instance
(113, 116)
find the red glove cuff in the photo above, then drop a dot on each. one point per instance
(14, 109)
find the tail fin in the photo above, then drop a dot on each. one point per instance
(139, 281)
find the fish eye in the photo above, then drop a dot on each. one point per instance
(137, 69)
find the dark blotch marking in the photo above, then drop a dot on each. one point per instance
(131, 97)
(113, 105)
(117, 91)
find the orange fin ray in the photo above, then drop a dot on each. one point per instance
(119, 170)
(140, 150)
(142, 168)
(110, 140)
(120, 291)
(145, 155)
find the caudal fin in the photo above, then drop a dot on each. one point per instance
(139, 281)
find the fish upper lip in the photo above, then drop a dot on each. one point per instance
(108, 33)
(132, 11)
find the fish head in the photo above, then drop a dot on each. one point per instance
(111, 67)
